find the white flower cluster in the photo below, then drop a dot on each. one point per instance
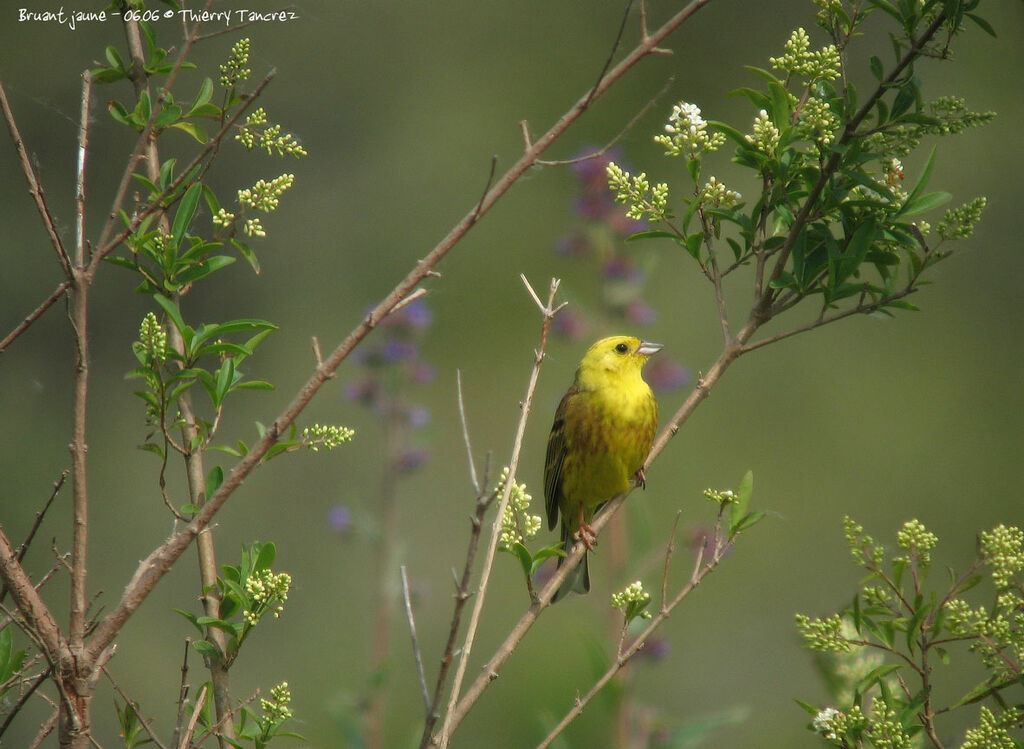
(686, 133)
(798, 59)
(326, 436)
(716, 195)
(268, 592)
(516, 524)
(633, 593)
(766, 135)
(645, 202)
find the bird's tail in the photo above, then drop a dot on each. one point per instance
(578, 580)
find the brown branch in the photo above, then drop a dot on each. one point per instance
(34, 187)
(483, 502)
(23, 549)
(129, 703)
(38, 618)
(35, 315)
(700, 571)
(83, 144)
(45, 730)
(25, 695)
(417, 654)
(548, 313)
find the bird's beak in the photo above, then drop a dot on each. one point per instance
(649, 349)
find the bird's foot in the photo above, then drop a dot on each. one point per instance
(587, 535)
(641, 478)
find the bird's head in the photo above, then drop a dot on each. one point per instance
(614, 358)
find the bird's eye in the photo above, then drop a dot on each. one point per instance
(622, 348)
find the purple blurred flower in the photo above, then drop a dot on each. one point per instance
(620, 268)
(573, 245)
(410, 460)
(340, 518)
(422, 373)
(571, 324)
(418, 417)
(655, 649)
(664, 374)
(362, 391)
(397, 350)
(640, 312)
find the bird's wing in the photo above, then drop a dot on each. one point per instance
(555, 460)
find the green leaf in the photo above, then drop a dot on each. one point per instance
(247, 252)
(521, 553)
(207, 649)
(923, 204)
(143, 109)
(651, 234)
(738, 509)
(186, 212)
(174, 314)
(982, 24)
(203, 97)
(192, 129)
(168, 115)
(205, 268)
(266, 557)
(213, 480)
(114, 58)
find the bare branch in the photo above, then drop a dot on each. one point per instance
(549, 312)
(61, 289)
(700, 571)
(465, 435)
(610, 144)
(34, 188)
(83, 143)
(415, 641)
(187, 736)
(128, 702)
(45, 730)
(25, 695)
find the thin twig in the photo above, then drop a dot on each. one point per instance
(45, 730)
(182, 694)
(83, 144)
(487, 187)
(128, 702)
(619, 136)
(34, 187)
(611, 53)
(187, 737)
(700, 571)
(669, 549)
(548, 311)
(23, 549)
(483, 502)
(61, 289)
(465, 434)
(415, 641)
(16, 707)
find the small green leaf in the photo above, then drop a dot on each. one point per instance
(876, 68)
(207, 649)
(173, 313)
(738, 509)
(186, 212)
(192, 129)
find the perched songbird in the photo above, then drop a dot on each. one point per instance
(602, 433)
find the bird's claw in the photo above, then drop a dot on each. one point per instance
(641, 478)
(587, 535)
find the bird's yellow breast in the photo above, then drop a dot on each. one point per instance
(608, 434)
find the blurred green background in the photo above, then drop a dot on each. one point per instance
(401, 105)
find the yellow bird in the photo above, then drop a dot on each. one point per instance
(603, 430)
